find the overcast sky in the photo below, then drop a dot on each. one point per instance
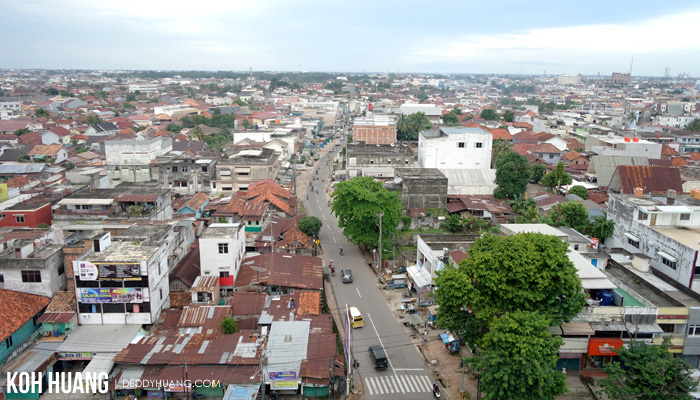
(359, 36)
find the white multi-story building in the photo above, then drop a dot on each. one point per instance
(147, 88)
(662, 233)
(170, 110)
(136, 152)
(569, 79)
(455, 148)
(221, 251)
(121, 283)
(612, 145)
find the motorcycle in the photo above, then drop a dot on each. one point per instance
(196, 396)
(340, 251)
(436, 390)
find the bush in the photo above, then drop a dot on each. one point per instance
(229, 325)
(579, 191)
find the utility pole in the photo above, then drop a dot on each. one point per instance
(379, 260)
(294, 173)
(331, 373)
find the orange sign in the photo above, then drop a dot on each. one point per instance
(603, 347)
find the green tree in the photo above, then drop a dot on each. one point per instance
(489, 114)
(556, 177)
(508, 116)
(500, 148)
(228, 325)
(407, 128)
(21, 131)
(630, 117)
(69, 165)
(450, 118)
(453, 223)
(41, 113)
(92, 119)
(601, 227)
(520, 203)
(197, 133)
(310, 226)
(572, 214)
(517, 358)
(131, 97)
(537, 171)
(694, 125)
(512, 176)
(358, 203)
(126, 104)
(579, 191)
(527, 272)
(650, 373)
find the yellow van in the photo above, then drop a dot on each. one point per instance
(356, 318)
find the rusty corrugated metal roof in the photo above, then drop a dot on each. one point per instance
(651, 178)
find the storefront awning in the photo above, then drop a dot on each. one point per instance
(643, 328)
(610, 326)
(419, 276)
(577, 329)
(574, 345)
(101, 362)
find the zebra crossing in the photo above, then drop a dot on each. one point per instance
(397, 384)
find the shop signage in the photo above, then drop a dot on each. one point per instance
(111, 295)
(74, 356)
(119, 271)
(87, 271)
(283, 380)
(603, 347)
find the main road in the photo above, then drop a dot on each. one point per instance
(407, 374)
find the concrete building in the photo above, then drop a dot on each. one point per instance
(121, 283)
(184, 174)
(420, 188)
(221, 250)
(244, 167)
(433, 112)
(619, 78)
(612, 145)
(112, 209)
(377, 129)
(569, 79)
(455, 148)
(30, 262)
(689, 142)
(378, 161)
(146, 88)
(661, 232)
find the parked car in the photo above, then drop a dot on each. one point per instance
(347, 275)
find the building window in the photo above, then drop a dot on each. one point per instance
(685, 217)
(551, 156)
(633, 243)
(2, 278)
(223, 274)
(183, 169)
(161, 293)
(19, 219)
(61, 270)
(223, 248)
(669, 263)
(642, 216)
(371, 161)
(694, 330)
(479, 145)
(575, 247)
(205, 169)
(8, 342)
(460, 145)
(174, 169)
(31, 276)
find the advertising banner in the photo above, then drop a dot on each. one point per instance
(285, 380)
(74, 356)
(119, 271)
(111, 295)
(87, 271)
(603, 347)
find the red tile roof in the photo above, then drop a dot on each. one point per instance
(18, 181)
(44, 150)
(571, 155)
(545, 148)
(526, 137)
(17, 308)
(500, 133)
(269, 191)
(523, 148)
(667, 150)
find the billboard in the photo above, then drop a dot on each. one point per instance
(111, 295)
(87, 271)
(285, 380)
(74, 356)
(119, 271)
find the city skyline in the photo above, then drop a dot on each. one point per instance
(396, 37)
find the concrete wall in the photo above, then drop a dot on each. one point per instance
(136, 152)
(11, 268)
(444, 152)
(213, 262)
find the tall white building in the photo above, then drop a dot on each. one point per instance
(455, 148)
(221, 250)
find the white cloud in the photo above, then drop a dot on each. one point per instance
(665, 34)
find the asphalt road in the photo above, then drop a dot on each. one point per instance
(408, 374)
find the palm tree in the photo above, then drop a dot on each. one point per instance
(630, 117)
(197, 133)
(601, 227)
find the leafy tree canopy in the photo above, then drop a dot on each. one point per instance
(512, 175)
(572, 214)
(579, 191)
(358, 203)
(310, 226)
(556, 177)
(517, 359)
(538, 171)
(650, 373)
(92, 119)
(21, 131)
(508, 116)
(228, 325)
(407, 127)
(41, 113)
(694, 125)
(527, 272)
(489, 114)
(450, 118)
(601, 227)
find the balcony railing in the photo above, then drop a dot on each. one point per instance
(68, 211)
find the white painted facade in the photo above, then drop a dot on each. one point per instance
(617, 146)
(136, 152)
(221, 249)
(455, 148)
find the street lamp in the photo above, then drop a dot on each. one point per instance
(379, 261)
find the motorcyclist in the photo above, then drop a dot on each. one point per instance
(341, 251)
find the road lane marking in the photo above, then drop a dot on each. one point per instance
(383, 383)
(324, 217)
(410, 369)
(427, 382)
(391, 365)
(404, 384)
(358, 292)
(334, 241)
